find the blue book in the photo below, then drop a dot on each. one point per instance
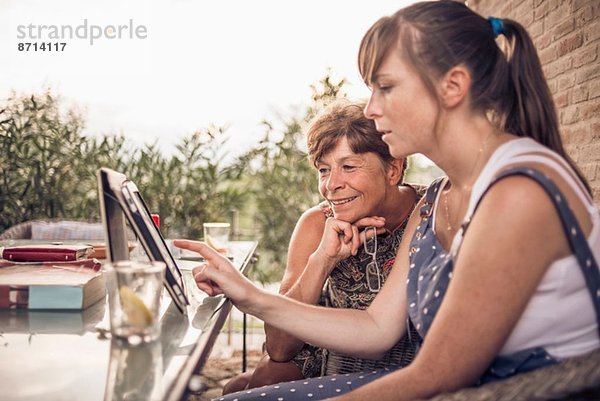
(28, 286)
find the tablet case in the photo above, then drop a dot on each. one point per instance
(120, 201)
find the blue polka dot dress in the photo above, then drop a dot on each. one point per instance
(317, 388)
(431, 269)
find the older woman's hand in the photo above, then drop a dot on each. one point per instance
(218, 275)
(342, 239)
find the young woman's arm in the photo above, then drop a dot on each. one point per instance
(513, 238)
(378, 328)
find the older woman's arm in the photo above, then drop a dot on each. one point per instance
(302, 281)
(383, 323)
(317, 245)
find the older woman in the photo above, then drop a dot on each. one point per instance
(362, 185)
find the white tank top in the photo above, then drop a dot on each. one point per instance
(560, 316)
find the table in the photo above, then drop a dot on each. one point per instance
(68, 355)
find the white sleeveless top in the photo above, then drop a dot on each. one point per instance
(560, 316)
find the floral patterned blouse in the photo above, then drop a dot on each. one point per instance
(346, 288)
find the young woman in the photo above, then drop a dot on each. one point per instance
(359, 179)
(498, 271)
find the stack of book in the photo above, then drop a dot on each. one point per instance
(50, 277)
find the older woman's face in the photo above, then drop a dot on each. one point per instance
(354, 184)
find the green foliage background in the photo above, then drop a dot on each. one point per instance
(48, 170)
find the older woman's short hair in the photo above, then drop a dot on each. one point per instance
(344, 118)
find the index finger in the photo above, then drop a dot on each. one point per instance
(198, 246)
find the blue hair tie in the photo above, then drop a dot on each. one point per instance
(497, 26)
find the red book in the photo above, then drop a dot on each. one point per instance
(43, 253)
(93, 264)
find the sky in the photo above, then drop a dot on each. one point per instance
(182, 65)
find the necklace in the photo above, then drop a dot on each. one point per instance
(448, 225)
(466, 188)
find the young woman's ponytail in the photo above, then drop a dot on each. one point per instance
(531, 112)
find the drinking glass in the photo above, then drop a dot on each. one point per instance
(217, 236)
(134, 290)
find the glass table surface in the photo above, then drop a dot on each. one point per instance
(68, 355)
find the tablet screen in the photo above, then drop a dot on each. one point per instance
(116, 188)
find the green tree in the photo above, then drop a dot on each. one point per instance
(48, 169)
(205, 191)
(42, 159)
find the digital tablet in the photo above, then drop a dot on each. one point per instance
(121, 201)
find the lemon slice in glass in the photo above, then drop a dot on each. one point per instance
(138, 314)
(213, 243)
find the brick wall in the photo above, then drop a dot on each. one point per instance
(566, 34)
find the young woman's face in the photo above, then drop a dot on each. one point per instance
(355, 184)
(402, 107)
